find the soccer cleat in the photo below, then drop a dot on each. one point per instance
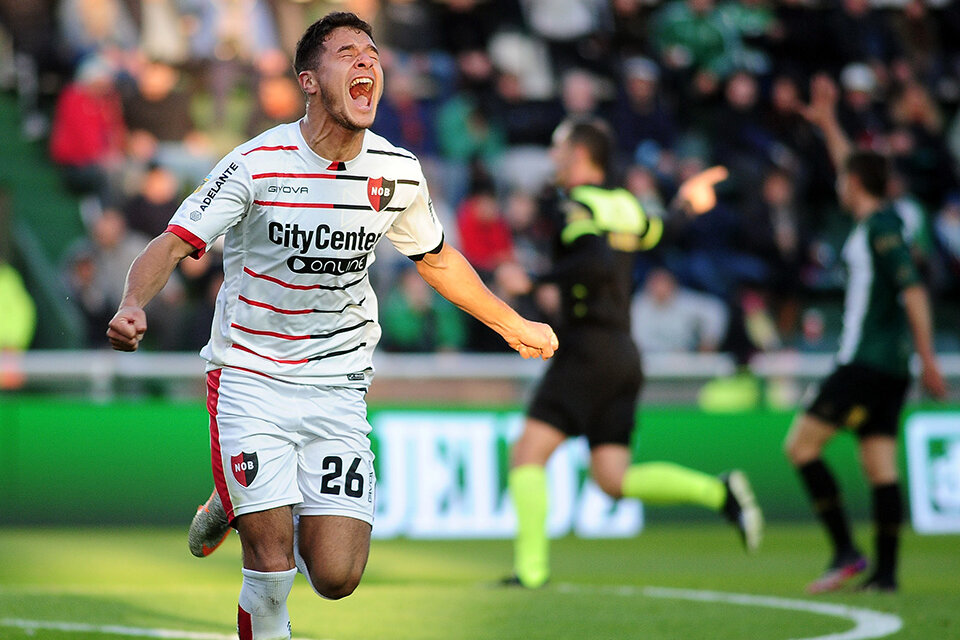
(841, 570)
(742, 510)
(209, 527)
(878, 584)
(513, 580)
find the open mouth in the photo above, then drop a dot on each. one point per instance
(361, 91)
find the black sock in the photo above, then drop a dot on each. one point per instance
(887, 516)
(825, 498)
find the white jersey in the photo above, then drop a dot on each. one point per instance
(299, 236)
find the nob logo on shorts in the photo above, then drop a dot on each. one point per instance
(335, 266)
(244, 466)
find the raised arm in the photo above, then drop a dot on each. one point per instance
(452, 276)
(918, 315)
(146, 277)
(822, 113)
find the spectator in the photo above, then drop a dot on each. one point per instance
(857, 31)
(917, 145)
(18, 322)
(775, 231)
(158, 111)
(691, 37)
(642, 111)
(92, 266)
(485, 237)
(96, 27)
(667, 318)
(404, 117)
(88, 131)
(862, 119)
(416, 320)
(151, 208)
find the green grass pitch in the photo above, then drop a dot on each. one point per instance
(423, 590)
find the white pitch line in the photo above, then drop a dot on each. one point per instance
(868, 623)
(170, 634)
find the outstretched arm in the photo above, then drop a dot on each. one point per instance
(146, 277)
(452, 276)
(918, 315)
(822, 113)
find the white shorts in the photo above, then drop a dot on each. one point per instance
(275, 443)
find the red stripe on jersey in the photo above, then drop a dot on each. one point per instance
(298, 205)
(264, 305)
(259, 373)
(260, 176)
(244, 624)
(299, 287)
(219, 480)
(189, 237)
(272, 334)
(260, 355)
(277, 148)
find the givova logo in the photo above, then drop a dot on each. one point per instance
(933, 468)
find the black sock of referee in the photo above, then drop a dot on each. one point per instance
(887, 517)
(825, 498)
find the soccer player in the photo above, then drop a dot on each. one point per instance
(592, 386)
(301, 208)
(885, 303)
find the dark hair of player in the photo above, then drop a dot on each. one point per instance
(872, 170)
(311, 43)
(594, 136)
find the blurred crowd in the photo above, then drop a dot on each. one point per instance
(137, 99)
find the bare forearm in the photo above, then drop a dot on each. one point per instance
(919, 317)
(150, 271)
(838, 146)
(456, 280)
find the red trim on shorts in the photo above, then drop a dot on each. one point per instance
(277, 148)
(244, 624)
(189, 237)
(216, 459)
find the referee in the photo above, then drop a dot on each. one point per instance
(592, 385)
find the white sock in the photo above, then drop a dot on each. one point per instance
(262, 614)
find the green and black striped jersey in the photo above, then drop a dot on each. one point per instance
(879, 267)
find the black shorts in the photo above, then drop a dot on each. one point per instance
(863, 400)
(592, 387)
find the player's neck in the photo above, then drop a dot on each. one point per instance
(866, 207)
(330, 140)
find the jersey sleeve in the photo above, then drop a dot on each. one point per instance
(219, 203)
(891, 255)
(417, 230)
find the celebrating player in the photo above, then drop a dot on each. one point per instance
(885, 303)
(592, 386)
(301, 208)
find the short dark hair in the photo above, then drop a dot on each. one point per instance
(871, 169)
(593, 135)
(312, 40)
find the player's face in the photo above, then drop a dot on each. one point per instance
(349, 78)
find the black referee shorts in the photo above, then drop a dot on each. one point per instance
(592, 387)
(861, 399)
